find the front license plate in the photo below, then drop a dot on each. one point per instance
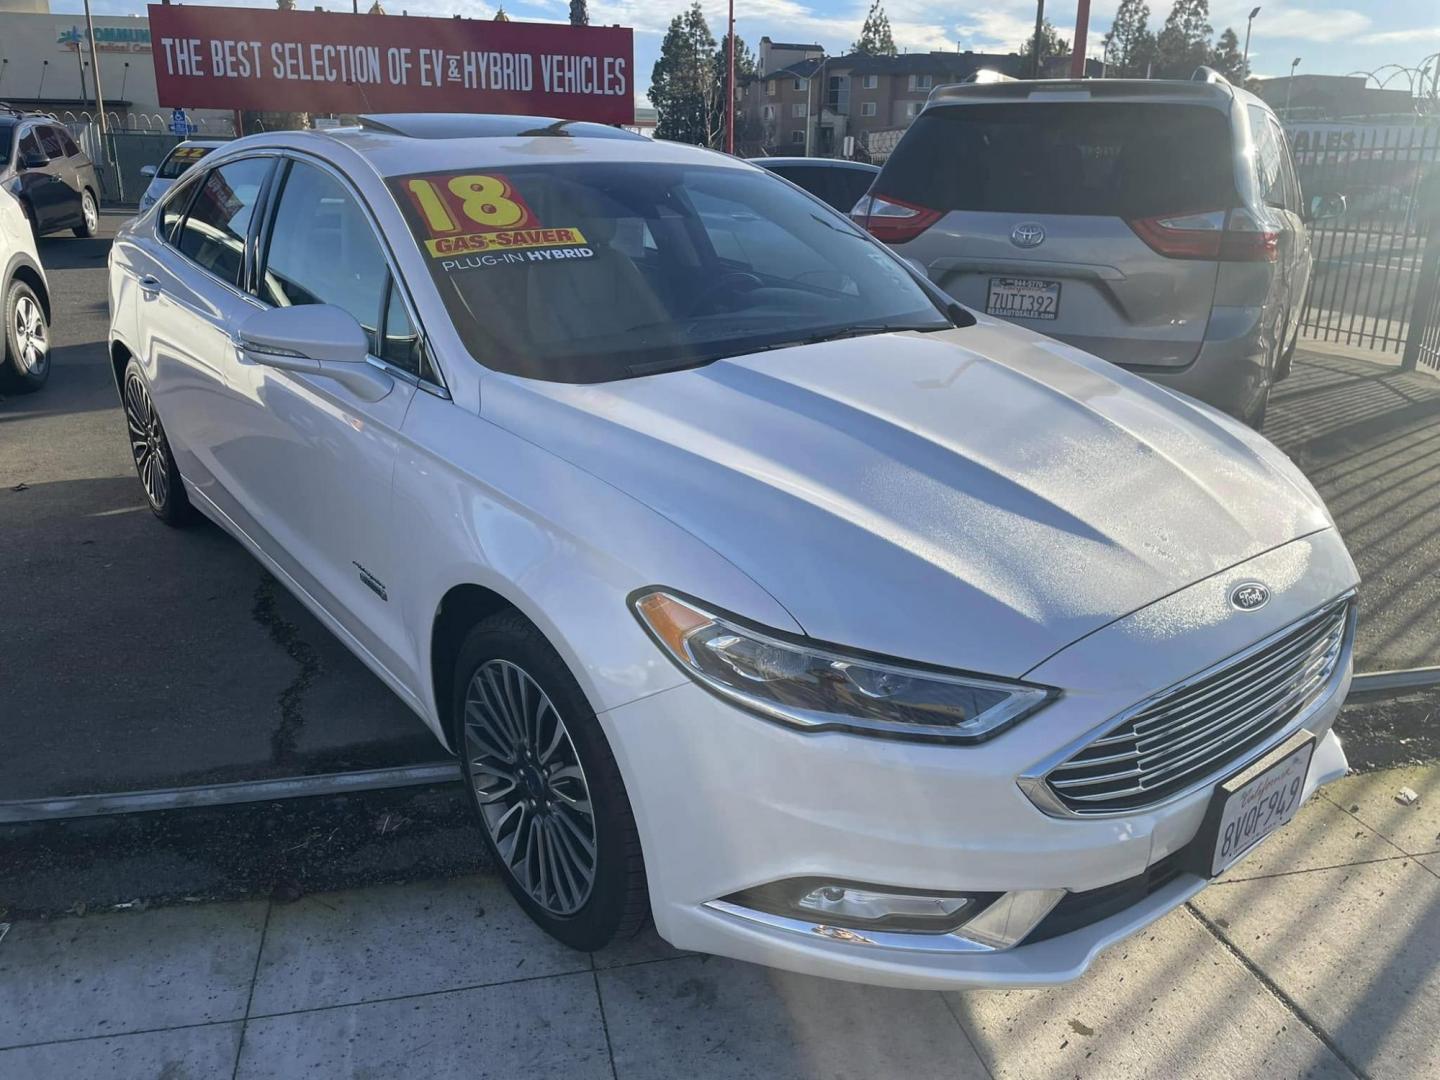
(1023, 298)
(1259, 801)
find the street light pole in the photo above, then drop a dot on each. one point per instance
(1245, 63)
(1290, 85)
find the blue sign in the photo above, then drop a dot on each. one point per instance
(180, 124)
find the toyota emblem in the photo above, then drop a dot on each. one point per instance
(1249, 596)
(1028, 234)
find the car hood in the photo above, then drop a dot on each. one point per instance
(976, 498)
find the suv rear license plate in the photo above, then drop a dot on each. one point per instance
(1023, 298)
(1252, 805)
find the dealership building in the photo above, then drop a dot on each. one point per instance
(45, 66)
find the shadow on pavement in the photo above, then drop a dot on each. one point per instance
(1368, 436)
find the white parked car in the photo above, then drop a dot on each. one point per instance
(839, 628)
(172, 167)
(25, 297)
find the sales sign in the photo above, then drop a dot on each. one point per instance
(320, 61)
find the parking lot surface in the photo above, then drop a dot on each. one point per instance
(140, 656)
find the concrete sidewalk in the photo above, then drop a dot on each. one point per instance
(1319, 956)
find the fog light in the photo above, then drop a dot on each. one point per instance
(837, 903)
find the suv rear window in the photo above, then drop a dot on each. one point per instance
(1129, 159)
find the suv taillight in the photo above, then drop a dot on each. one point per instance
(1226, 236)
(892, 220)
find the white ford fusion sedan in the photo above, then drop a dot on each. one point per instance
(757, 587)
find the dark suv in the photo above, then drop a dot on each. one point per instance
(41, 165)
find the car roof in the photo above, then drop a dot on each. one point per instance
(828, 163)
(404, 144)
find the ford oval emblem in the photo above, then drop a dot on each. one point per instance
(1249, 596)
(1028, 234)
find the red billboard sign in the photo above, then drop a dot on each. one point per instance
(320, 61)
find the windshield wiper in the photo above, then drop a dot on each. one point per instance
(861, 330)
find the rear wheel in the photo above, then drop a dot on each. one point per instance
(89, 216)
(544, 783)
(154, 463)
(25, 362)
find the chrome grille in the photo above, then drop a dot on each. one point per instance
(1197, 728)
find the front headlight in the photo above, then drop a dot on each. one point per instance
(825, 690)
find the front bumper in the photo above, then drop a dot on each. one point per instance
(726, 802)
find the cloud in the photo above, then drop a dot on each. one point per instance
(1418, 35)
(1284, 21)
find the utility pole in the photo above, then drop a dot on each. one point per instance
(1039, 27)
(1245, 63)
(730, 88)
(95, 67)
(1082, 30)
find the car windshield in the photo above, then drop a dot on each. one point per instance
(180, 159)
(599, 271)
(1129, 159)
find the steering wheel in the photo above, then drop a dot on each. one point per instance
(736, 281)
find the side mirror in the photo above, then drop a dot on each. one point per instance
(314, 339)
(33, 160)
(1327, 206)
(149, 171)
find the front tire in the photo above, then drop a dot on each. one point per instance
(89, 216)
(25, 362)
(154, 463)
(546, 787)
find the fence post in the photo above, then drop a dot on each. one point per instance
(1426, 307)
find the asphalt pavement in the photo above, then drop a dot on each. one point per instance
(137, 656)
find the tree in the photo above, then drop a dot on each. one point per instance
(579, 13)
(1228, 59)
(875, 36)
(1051, 44)
(748, 129)
(1183, 44)
(1129, 46)
(684, 87)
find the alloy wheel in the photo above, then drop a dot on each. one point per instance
(147, 441)
(31, 346)
(530, 786)
(91, 214)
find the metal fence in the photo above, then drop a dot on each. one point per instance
(1370, 287)
(133, 140)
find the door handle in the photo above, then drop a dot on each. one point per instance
(150, 286)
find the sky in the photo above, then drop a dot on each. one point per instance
(1332, 37)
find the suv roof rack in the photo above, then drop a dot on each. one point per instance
(487, 126)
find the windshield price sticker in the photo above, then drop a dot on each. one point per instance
(462, 215)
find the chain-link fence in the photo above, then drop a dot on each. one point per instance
(133, 140)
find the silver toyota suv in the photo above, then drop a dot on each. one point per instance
(1155, 223)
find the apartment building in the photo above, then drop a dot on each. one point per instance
(815, 101)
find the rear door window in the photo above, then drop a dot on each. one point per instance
(50, 140)
(215, 230)
(71, 150)
(1123, 159)
(1267, 151)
